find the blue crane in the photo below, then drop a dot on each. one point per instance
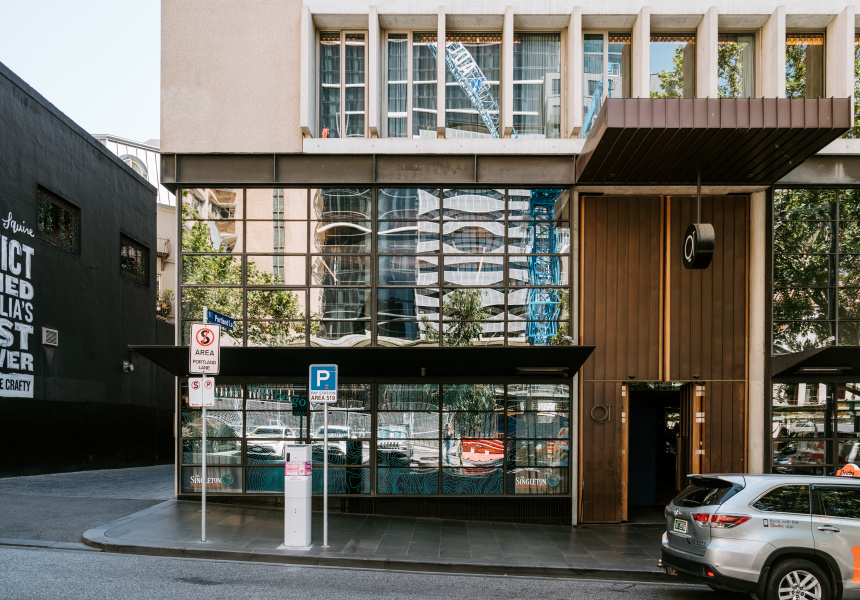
(544, 269)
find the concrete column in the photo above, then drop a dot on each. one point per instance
(440, 74)
(757, 334)
(706, 55)
(374, 65)
(772, 76)
(839, 57)
(573, 115)
(307, 75)
(506, 120)
(640, 55)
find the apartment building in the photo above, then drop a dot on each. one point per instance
(609, 242)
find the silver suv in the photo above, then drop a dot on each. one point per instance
(783, 537)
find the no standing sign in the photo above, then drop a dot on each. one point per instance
(205, 353)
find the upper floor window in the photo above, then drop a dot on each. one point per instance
(736, 65)
(472, 84)
(605, 71)
(411, 91)
(134, 260)
(855, 131)
(59, 222)
(537, 85)
(343, 95)
(673, 65)
(804, 65)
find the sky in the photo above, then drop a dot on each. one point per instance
(95, 60)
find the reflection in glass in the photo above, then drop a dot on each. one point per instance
(488, 425)
(804, 204)
(539, 397)
(473, 205)
(803, 237)
(341, 270)
(329, 108)
(413, 424)
(849, 333)
(801, 394)
(538, 453)
(673, 66)
(341, 452)
(409, 237)
(413, 396)
(532, 480)
(545, 425)
(537, 85)
(277, 237)
(849, 204)
(802, 335)
(736, 65)
(804, 65)
(218, 452)
(349, 480)
(219, 424)
(424, 85)
(849, 270)
(802, 304)
(473, 270)
(276, 270)
(227, 396)
(398, 78)
(474, 397)
(211, 269)
(849, 236)
(413, 204)
(408, 270)
(478, 56)
(463, 304)
(799, 453)
(220, 480)
(800, 269)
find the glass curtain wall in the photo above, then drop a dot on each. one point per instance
(386, 439)
(816, 268)
(387, 266)
(537, 85)
(816, 427)
(342, 84)
(804, 65)
(673, 65)
(606, 74)
(736, 65)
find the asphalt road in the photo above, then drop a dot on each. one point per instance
(34, 573)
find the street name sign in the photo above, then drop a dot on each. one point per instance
(204, 356)
(219, 319)
(201, 391)
(323, 384)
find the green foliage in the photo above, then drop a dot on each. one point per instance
(730, 69)
(564, 320)
(475, 401)
(223, 268)
(795, 71)
(854, 133)
(462, 307)
(672, 82)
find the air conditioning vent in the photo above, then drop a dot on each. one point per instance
(50, 337)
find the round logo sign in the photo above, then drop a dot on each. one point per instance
(553, 480)
(227, 479)
(205, 337)
(698, 247)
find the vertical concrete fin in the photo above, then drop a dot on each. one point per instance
(707, 55)
(640, 53)
(440, 74)
(374, 64)
(307, 75)
(773, 55)
(507, 99)
(573, 115)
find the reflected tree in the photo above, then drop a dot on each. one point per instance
(464, 309)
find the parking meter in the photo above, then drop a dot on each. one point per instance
(297, 497)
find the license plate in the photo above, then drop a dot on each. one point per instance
(680, 526)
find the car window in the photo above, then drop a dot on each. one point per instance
(705, 492)
(792, 499)
(842, 502)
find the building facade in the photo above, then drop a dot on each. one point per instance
(491, 233)
(77, 237)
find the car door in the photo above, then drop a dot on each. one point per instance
(836, 529)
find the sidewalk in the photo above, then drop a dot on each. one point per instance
(172, 528)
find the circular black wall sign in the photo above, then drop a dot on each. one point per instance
(698, 247)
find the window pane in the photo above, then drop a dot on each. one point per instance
(803, 304)
(803, 237)
(480, 425)
(538, 397)
(803, 270)
(218, 452)
(736, 65)
(842, 502)
(407, 303)
(469, 481)
(414, 396)
(673, 66)
(349, 480)
(804, 205)
(804, 65)
(799, 453)
(341, 270)
(424, 85)
(277, 237)
(220, 480)
(276, 270)
(408, 203)
(412, 425)
(537, 85)
(802, 335)
(593, 79)
(786, 499)
(473, 270)
(538, 453)
(473, 204)
(408, 270)
(58, 222)
(219, 423)
(529, 480)
(478, 397)
(330, 85)
(849, 270)
(407, 481)
(472, 93)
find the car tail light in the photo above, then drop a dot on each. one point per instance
(708, 572)
(701, 519)
(727, 521)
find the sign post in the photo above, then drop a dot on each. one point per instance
(204, 358)
(323, 390)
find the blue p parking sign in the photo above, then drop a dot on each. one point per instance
(323, 384)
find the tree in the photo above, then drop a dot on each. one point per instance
(795, 70)
(672, 82)
(730, 69)
(464, 309)
(218, 267)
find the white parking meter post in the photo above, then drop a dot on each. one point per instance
(203, 466)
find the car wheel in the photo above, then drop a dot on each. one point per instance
(798, 579)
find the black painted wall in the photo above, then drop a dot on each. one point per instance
(85, 411)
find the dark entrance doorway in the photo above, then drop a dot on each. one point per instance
(653, 431)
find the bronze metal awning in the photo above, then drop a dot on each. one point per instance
(834, 363)
(736, 141)
(369, 362)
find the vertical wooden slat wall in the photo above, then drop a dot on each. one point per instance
(622, 312)
(621, 307)
(707, 324)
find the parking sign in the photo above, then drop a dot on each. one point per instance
(323, 384)
(205, 352)
(201, 391)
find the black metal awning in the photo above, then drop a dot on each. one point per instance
(370, 362)
(735, 141)
(834, 363)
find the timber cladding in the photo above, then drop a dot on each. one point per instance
(652, 320)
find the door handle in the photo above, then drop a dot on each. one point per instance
(829, 528)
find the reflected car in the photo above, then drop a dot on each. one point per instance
(270, 451)
(393, 448)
